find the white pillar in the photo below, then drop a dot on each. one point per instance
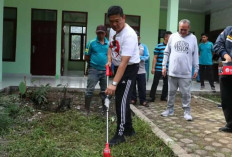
(172, 15)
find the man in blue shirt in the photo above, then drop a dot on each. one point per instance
(157, 69)
(96, 56)
(206, 61)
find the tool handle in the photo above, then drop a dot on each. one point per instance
(108, 70)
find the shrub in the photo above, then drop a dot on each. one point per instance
(39, 95)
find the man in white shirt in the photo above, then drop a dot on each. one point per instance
(124, 53)
(182, 53)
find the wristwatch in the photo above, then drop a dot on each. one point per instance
(114, 83)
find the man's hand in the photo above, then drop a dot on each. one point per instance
(110, 90)
(153, 70)
(108, 64)
(227, 57)
(164, 72)
(195, 75)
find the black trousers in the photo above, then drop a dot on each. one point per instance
(206, 70)
(226, 93)
(123, 96)
(157, 76)
(141, 84)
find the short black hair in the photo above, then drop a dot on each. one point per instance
(115, 10)
(138, 34)
(204, 34)
(167, 33)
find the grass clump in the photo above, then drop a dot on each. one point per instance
(30, 132)
(214, 97)
(73, 134)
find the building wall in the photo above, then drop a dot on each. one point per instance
(197, 21)
(221, 19)
(1, 35)
(96, 10)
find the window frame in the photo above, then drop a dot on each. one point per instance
(13, 59)
(82, 43)
(127, 15)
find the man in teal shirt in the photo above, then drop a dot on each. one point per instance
(96, 56)
(206, 61)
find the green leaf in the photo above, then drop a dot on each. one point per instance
(22, 88)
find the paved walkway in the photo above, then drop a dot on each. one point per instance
(79, 81)
(199, 137)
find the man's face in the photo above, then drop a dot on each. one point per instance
(101, 35)
(204, 38)
(117, 22)
(184, 29)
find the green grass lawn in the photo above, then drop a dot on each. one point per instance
(72, 134)
(214, 97)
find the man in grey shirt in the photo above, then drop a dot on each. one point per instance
(182, 53)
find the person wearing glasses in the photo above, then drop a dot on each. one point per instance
(182, 53)
(96, 57)
(124, 54)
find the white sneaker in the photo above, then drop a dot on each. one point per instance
(167, 112)
(187, 116)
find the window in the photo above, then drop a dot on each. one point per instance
(132, 20)
(75, 24)
(77, 42)
(9, 34)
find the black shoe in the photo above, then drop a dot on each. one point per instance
(163, 99)
(117, 139)
(213, 89)
(225, 129)
(151, 100)
(129, 132)
(219, 105)
(145, 104)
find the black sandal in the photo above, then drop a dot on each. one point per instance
(133, 102)
(145, 104)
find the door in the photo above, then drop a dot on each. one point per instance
(43, 42)
(74, 29)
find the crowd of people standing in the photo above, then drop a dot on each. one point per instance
(173, 60)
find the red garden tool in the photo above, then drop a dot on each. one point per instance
(225, 68)
(106, 152)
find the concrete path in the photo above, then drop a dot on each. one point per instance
(200, 137)
(79, 81)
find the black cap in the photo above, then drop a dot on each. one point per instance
(100, 28)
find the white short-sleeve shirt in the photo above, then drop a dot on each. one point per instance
(126, 45)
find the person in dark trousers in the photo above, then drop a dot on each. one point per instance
(141, 76)
(157, 70)
(124, 54)
(223, 47)
(206, 61)
(96, 56)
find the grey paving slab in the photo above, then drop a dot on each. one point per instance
(199, 137)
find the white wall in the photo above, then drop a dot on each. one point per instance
(221, 19)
